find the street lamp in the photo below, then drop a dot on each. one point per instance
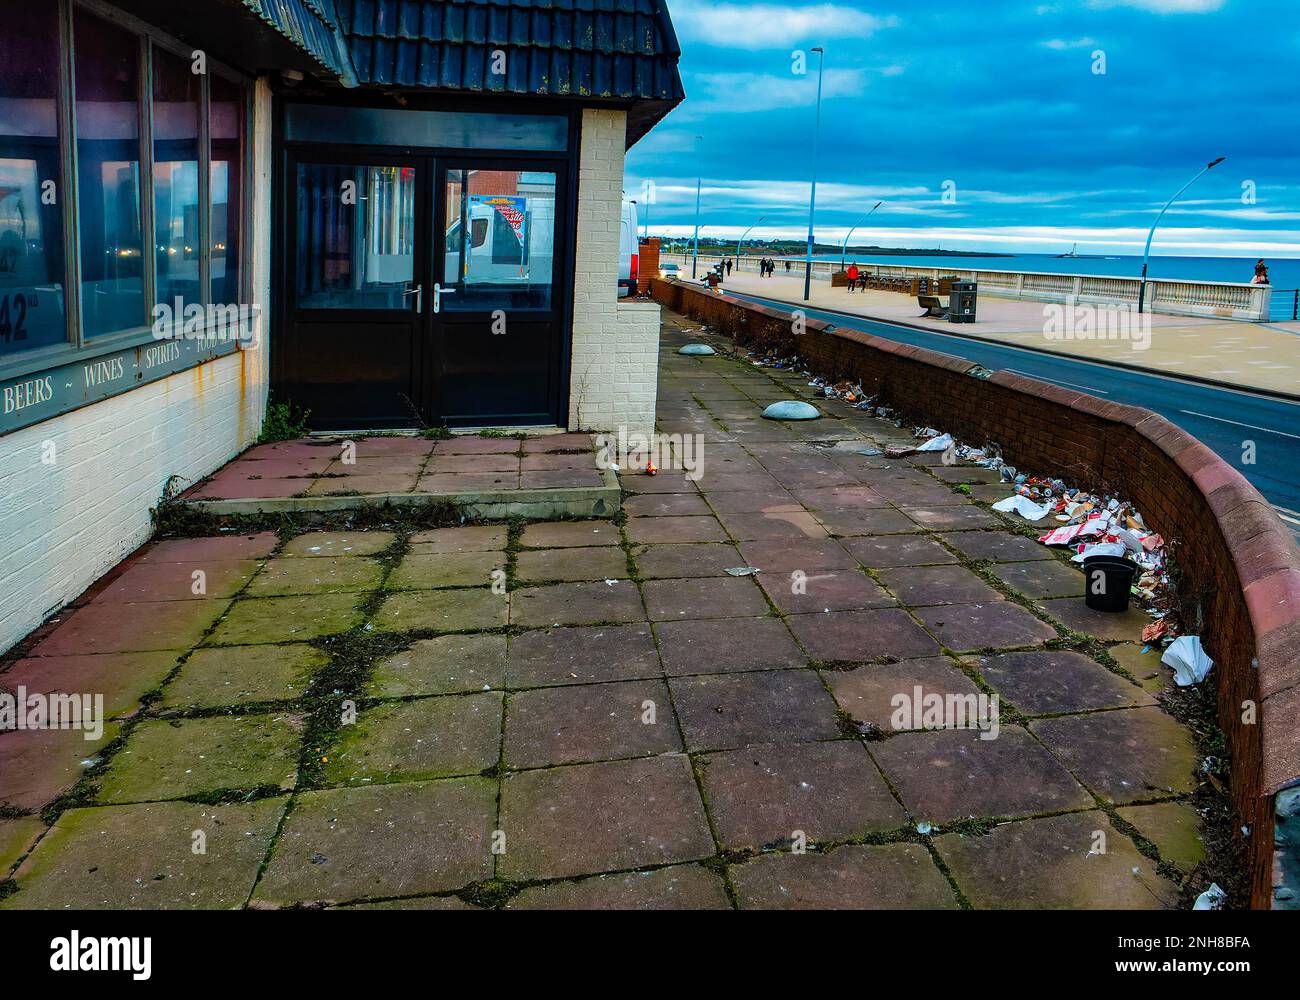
(812, 194)
(845, 249)
(1146, 255)
(699, 177)
(742, 239)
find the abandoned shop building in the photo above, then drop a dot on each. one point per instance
(390, 213)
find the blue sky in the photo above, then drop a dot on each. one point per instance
(1000, 98)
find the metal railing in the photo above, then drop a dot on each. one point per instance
(1285, 305)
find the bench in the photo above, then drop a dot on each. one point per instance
(933, 306)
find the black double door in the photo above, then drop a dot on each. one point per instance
(421, 290)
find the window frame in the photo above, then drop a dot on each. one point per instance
(76, 348)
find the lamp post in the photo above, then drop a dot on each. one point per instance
(845, 249)
(742, 239)
(1146, 254)
(699, 177)
(812, 194)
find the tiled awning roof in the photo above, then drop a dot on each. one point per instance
(311, 25)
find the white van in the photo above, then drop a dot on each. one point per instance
(497, 254)
(628, 251)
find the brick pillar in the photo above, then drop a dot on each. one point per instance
(649, 264)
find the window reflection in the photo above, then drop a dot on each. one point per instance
(511, 217)
(226, 110)
(31, 234)
(108, 168)
(356, 236)
(176, 179)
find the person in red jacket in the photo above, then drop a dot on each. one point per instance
(853, 276)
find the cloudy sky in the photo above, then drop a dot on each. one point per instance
(1047, 123)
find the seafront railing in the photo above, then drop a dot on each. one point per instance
(1219, 299)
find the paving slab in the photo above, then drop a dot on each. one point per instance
(446, 569)
(412, 903)
(1175, 829)
(968, 628)
(222, 676)
(576, 724)
(679, 887)
(891, 551)
(861, 636)
(711, 597)
(729, 644)
(37, 765)
(128, 628)
(1128, 755)
(666, 504)
(571, 565)
(562, 534)
(919, 586)
(868, 693)
(576, 604)
(1041, 578)
(82, 864)
(447, 664)
(808, 554)
(1011, 775)
(956, 518)
(591, 818)
(343, 844)
(172, 760)
(443, 610)
(414, 740)
(1053, 864)
(470, 538)
(721, 711)
(880, 877)
(258, 545)
(338, 543)
(122, 678)
(764, 797)
(581, 655)
(178, 581)
(689, 559)
(1074, 614)
(826, 590)
(1144, 664)
(328, 575)
(773, 524)
(860, 521)
(1057, 681)
(656, 530)
(286, 619)
(17, 835)
(839, 498)
(748, 501)
(997, 546)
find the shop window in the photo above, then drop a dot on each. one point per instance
(31, 228)
(226, 129)
(107, 68)
(178, 243)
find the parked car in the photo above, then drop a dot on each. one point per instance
(670, 271)
(628, 251)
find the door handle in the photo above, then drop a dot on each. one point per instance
(418, 292)
(438, 293)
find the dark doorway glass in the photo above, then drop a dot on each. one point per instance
(356, 236)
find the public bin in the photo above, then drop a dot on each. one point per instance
(961, 302)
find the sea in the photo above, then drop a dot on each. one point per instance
(1284, 272)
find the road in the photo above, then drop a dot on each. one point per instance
(1227, 420)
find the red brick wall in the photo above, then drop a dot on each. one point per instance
(1239, 567)
(649, 264)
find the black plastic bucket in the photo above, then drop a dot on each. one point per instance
(1107, 582)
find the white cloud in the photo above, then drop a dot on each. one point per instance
(750, 92)
(1061, 44)
(1162, 6)
(771, 26)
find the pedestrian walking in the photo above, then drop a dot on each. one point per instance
(853, 276)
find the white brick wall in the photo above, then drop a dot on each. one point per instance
(615, 345)
(66, 524)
